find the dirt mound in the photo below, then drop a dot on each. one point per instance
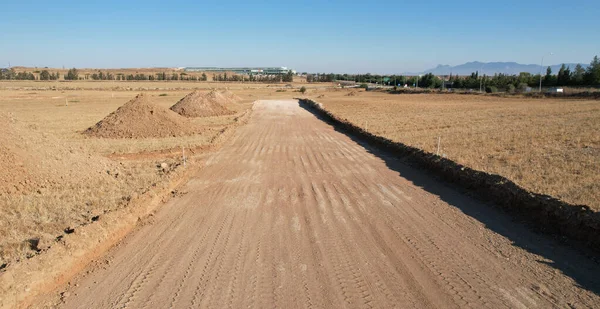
(352, 94)
(198, 104)
(231, 96)
(140, 118)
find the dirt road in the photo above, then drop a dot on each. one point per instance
(292, 214)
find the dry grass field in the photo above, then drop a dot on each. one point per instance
(81, 176)
(549, 146)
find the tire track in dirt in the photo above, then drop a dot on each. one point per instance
(290, 213)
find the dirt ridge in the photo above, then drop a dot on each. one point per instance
(549, 214)
(201, 104)
(141, 118)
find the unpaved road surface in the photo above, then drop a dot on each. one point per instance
(293, 214)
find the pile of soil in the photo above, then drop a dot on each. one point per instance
(231, 96)
(198, 104)
(140, 118)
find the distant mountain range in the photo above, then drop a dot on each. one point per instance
(491, 68)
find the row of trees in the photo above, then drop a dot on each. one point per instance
(566, 76)
(10, 74)
(286, 78)
(74, 74)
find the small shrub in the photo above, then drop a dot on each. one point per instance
(522, 87)
(280, 90)
(364, 86)
(162, 95)
(511, 88)
(303, 89)
(491, 89)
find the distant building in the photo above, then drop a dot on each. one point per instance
(253, 71)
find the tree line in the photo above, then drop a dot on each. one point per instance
(10, 74)
(277, 78)
(576, 77)
(74, 74)
(566, 76)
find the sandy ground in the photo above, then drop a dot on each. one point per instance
(290, 213)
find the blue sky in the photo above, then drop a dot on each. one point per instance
(313, 36)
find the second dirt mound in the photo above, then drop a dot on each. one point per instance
(231, 96)
(198, 104)
(140, 118)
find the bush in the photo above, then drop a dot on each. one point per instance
(162, 95)
(491, 89)
(364, 86)
(303, 89)
(45, 75)
(522, 87)
(72, 74)
(511, 88)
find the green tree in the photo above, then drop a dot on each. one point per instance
(288, 77)
(578, 75)
(72, 74)
(45, 75)
(564, 76)
(549, 79)
(592, 74)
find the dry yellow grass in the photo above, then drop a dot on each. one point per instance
(88, 184)
(549, 146)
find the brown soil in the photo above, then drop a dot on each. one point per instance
(294, 214)
(140, 118)
(31, 159)
(200, 104)
(14, 177)
(352, 94)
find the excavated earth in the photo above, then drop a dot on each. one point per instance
(200, 104)
(231, 96)
(290, 213)
(141, 118)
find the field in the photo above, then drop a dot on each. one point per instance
(273, 200)
(548, 146)
(88, 176)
